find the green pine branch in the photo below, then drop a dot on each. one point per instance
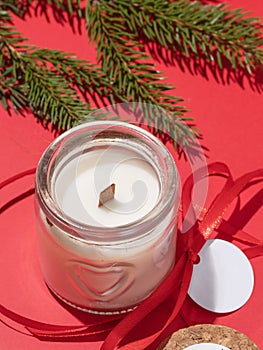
(58, 87)
(80, 73)
(29, 84)
(46, 80)
(194, 29)
(130, 71)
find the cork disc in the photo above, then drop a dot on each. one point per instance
(207, 333)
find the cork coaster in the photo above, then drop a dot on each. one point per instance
(207, 333)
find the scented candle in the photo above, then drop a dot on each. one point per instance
(106, 257)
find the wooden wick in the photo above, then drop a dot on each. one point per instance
(106, 195)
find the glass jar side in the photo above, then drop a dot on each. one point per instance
(104, 278)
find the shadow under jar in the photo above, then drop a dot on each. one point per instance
(106, 259)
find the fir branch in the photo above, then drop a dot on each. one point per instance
(80, 73)
(44, 81)
(49, 81)
(130, 72)
(212, 30)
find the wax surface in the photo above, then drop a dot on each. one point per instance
(80, 182)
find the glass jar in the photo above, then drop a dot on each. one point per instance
(106, 259)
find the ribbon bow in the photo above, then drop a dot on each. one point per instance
(176, 283)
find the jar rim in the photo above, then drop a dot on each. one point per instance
(85, 231)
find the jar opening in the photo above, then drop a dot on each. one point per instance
(84, 160)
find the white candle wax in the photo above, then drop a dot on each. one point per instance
(80, 182)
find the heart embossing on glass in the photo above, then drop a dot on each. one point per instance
(100, 282)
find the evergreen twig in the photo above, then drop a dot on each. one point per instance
(194, 28)
(131, 72)
(50, 81)
(27, 81)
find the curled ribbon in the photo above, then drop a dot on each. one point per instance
(176, 283)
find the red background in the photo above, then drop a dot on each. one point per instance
(230, 118)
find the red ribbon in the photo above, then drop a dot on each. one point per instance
(176, 283)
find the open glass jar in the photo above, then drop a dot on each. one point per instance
(108, 258)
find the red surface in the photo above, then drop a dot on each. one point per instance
(230, 118)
